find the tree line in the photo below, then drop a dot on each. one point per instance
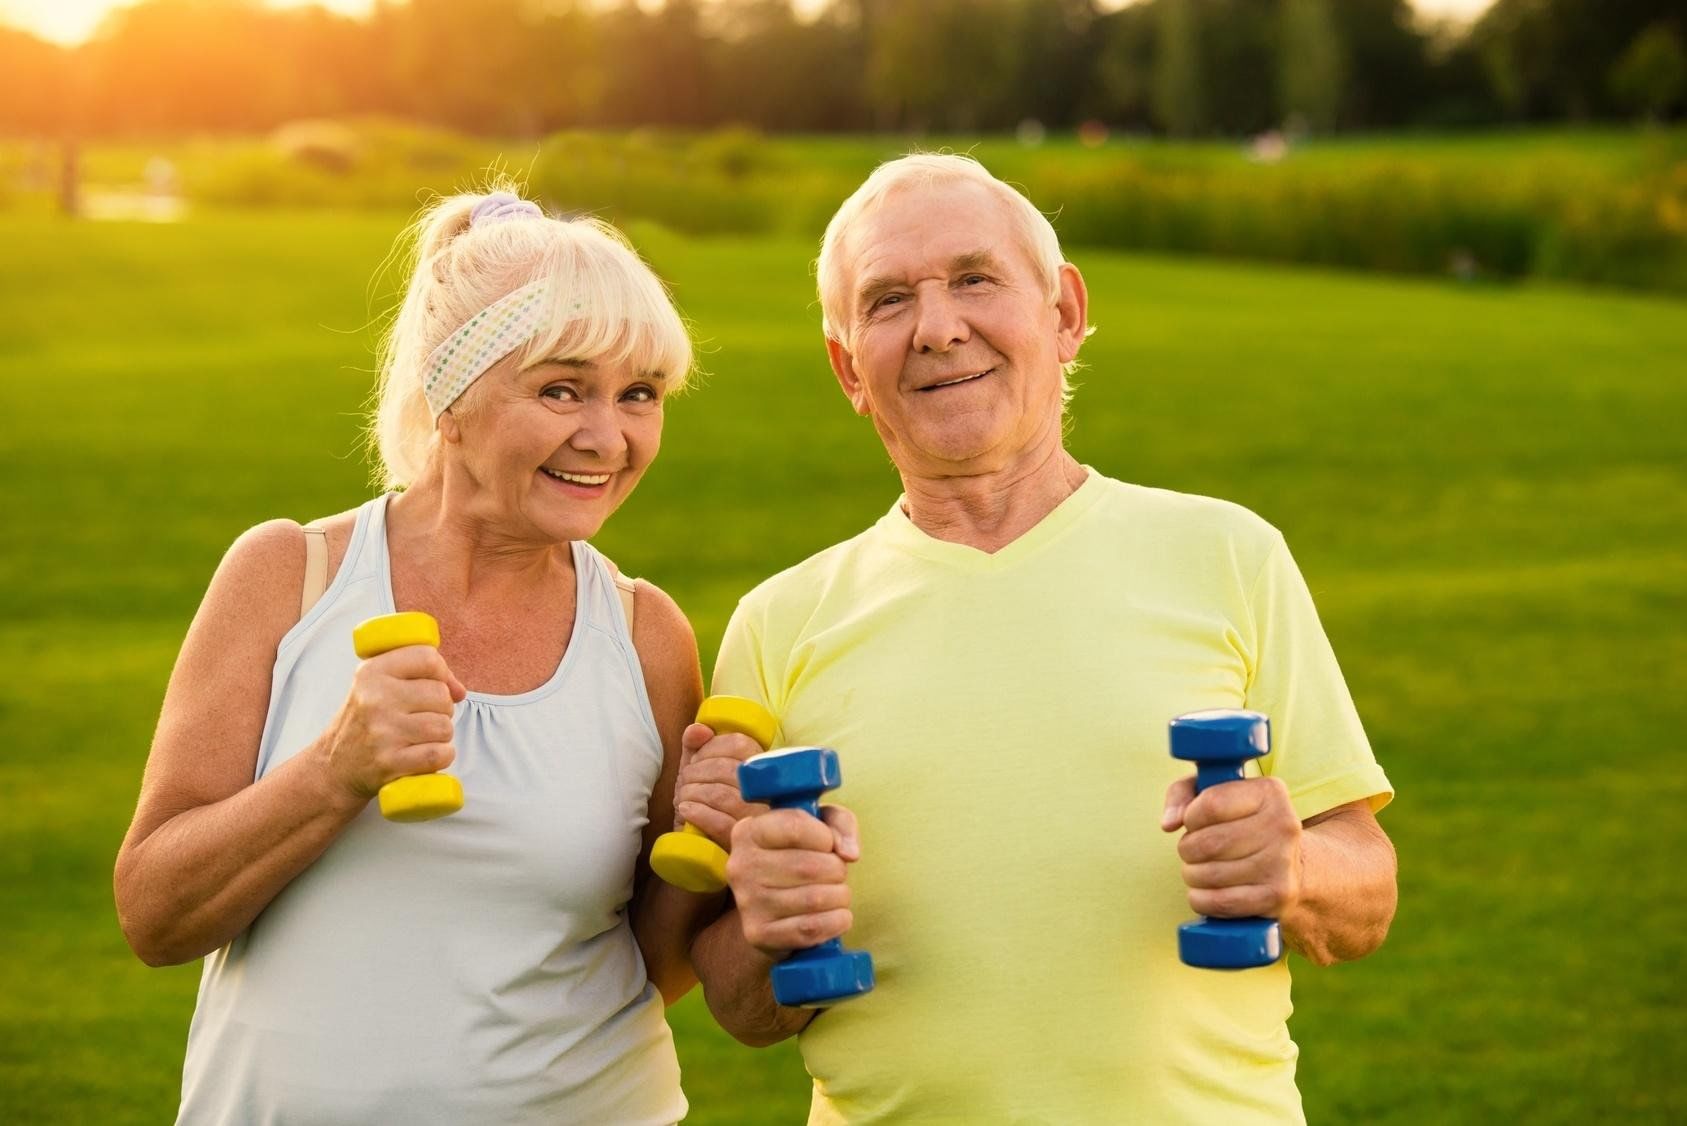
(529, 67)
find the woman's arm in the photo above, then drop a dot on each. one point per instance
(208, 848)
(666, 919)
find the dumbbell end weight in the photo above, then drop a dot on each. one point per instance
(822, 975)
(421, 797)
(1229, 944)
(689, 860)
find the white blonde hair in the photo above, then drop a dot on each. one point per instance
(607, 305)
(924, 169)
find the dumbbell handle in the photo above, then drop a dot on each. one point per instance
(1211, 772)
(415, 797)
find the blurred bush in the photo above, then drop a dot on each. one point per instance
(1604, 207)
(726, 182)
(360, 163)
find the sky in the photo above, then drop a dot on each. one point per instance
(72, 21)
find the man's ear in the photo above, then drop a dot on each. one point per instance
(843, 366)
(1073, 305)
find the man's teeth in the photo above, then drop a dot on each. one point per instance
(963, 378)
(576, 478)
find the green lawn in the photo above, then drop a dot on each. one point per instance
(1487, 489)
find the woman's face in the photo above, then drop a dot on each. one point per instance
(558, 446)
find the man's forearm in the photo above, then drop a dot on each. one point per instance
(736, 987)
(1347, 887)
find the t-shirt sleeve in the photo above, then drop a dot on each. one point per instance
(1318, 746)
(741, 669)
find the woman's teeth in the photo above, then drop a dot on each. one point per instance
(576, 478)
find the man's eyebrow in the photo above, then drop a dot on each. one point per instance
(877, 287)
(975, 260)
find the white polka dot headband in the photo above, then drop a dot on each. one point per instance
(482, 341)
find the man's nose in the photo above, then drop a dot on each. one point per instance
(939, 325)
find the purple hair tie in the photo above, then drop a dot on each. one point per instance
(501, 207)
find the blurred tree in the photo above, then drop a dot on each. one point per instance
(654, 67)
(210, 64)
(1312, 64)
(775, 71)
(1178, 88)
(944, 64)
(1121, 88)
(524, 67)
(1058, 53)
(35, 86)
(1650, 76)
(1238, 44)
(1551, 59)
(1387, 62)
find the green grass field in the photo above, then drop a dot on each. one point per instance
(1486, 487)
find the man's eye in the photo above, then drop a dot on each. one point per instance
(974, 279)
(887, 300)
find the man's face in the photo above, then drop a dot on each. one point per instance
(956, 350)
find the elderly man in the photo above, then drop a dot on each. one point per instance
(995, 661)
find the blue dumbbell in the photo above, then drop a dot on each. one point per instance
(1219, 743)
(794, 778)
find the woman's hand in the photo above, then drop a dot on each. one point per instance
(706, 794)
(396, 721)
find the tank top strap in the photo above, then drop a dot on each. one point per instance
(367, 553)
(600, 596)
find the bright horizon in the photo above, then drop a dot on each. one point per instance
(72, 21)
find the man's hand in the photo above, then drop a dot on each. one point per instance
(787, 875)
(706, 789)
(1242, 849)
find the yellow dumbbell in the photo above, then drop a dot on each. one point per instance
(689, 859)
(416, 797)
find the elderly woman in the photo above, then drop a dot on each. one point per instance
(508, 963)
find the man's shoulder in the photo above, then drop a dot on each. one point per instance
(1180, 516)
(802, 584)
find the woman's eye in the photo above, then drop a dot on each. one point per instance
(559, 391)
(640, 394)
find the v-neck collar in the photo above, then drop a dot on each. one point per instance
(901, 531)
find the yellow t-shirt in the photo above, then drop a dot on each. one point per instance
(1001, 721)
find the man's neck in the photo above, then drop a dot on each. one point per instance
(988, 511)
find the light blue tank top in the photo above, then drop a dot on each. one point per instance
(480, 968)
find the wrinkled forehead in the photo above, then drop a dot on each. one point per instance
(918, 227)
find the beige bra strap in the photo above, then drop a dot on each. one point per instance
(624, 587)
(316, 566)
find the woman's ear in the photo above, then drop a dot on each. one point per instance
(450, 430)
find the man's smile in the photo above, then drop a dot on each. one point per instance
(956, 381)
